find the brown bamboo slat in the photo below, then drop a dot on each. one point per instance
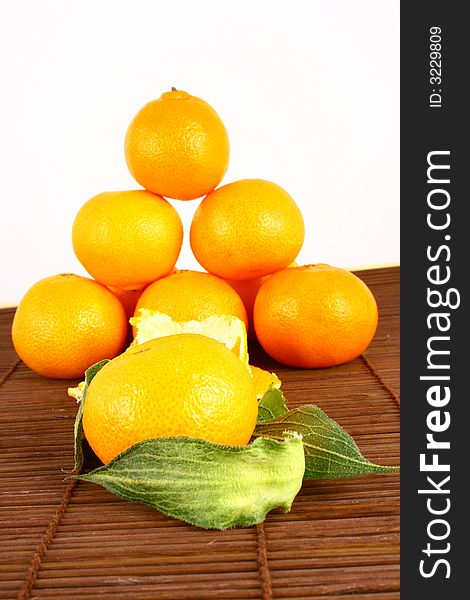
(339, 542)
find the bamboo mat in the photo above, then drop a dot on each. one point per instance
(339, 542)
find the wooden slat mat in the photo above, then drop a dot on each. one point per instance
(339, 542)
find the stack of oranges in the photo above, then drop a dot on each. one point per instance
(245, 234)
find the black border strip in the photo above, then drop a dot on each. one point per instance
(434, 250)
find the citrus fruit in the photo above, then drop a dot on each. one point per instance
(66, 323)
(178, 385)
(314, 316)
(128, 298)
(127, 239)
(247, 289)
(246, 229)
(177, 146)
(192, 296)
(226, 329)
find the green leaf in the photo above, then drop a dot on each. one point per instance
(207, 484)
(78, 427)
(330, 452)
(271, 405)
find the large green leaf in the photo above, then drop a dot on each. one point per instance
(207, 484)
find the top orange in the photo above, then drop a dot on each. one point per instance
(177, 146)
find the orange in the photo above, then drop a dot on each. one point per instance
(178, 385)
(247, 229)
(315, 316)
(127, 239)
(247, 289)
(226, 329)
(128, 298)
(66, 323)
(192, 296)
(177, 146)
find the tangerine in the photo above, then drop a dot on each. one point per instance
(248, 289)
(128, 298)
(177, 146)
(127, 239)
(192, 296)
(246, 229)
(178, 385)
(66, 323)
(315, 316)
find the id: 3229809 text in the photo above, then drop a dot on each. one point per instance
(435, 67)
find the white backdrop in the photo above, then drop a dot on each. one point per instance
(308, 91)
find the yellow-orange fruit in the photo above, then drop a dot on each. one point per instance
(66, 323)
(246, 229)
(315, 316)
(127, 239)
(192, 296)
(128, 298)
(178, 385)
(247, 289)
(177, 146)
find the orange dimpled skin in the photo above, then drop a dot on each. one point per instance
(179, 385)
(128, 298)
(246, 229)
(248, 289)
(177, 146)
(127, 239)
(66, 323)
(192, 296)
(315, 316)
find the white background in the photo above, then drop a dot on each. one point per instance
(308, 91)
